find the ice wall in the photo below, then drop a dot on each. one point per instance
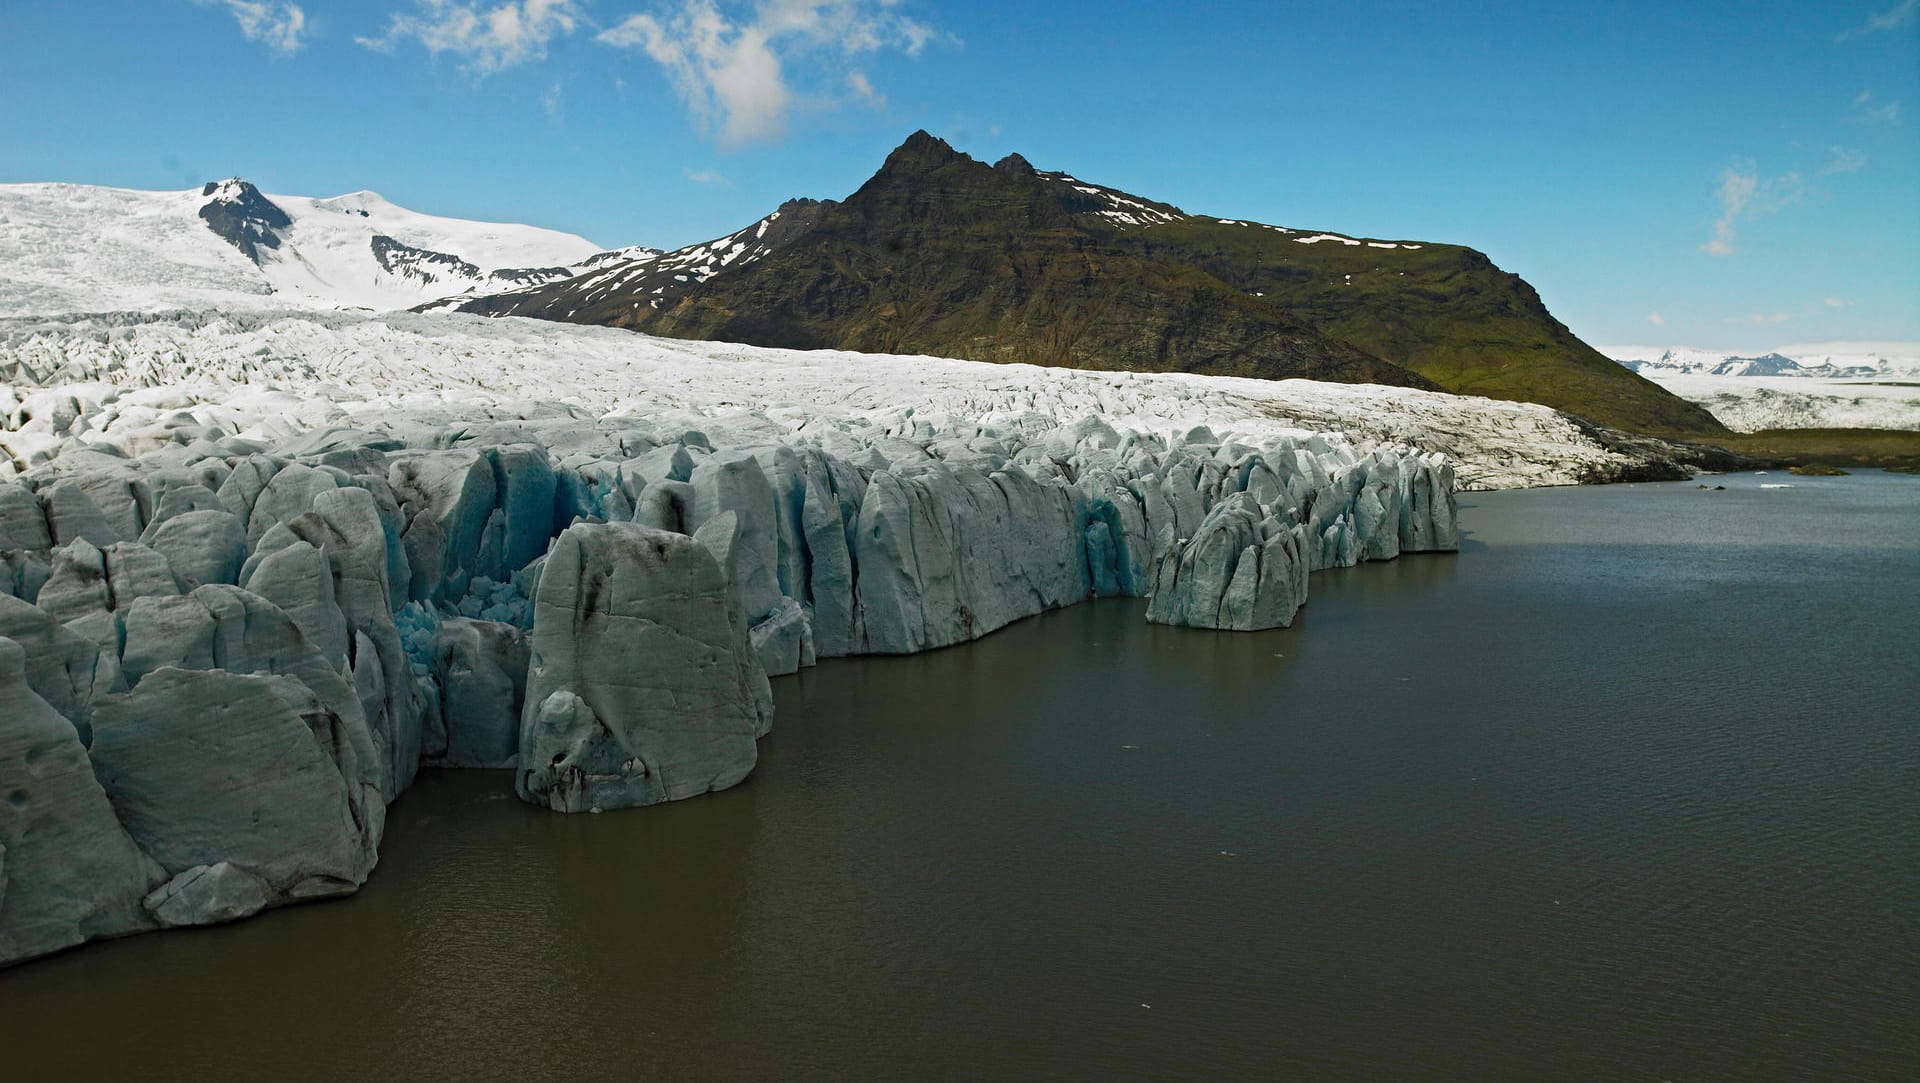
(223, 652)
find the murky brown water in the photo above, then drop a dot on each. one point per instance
(1630, 789)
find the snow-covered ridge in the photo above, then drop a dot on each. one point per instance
(650, 276)
(81, 248)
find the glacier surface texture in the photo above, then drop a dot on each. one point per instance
(254, 576)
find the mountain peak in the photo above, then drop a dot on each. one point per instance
(237, 213)
(923, 152)
(1015, 165)
(231, 190)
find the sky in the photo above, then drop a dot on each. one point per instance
(1718, 174)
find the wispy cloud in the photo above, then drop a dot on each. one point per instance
(703, 176)
(737, 72)
(862, 88)
(1902, 14)
(278, 25)
(1872, 110)
(1842, 160)
(1821, 307)
(1656, 319)
(553, 99)
(1744, 195)
(485, 39)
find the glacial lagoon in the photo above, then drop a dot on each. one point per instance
(1629, 788)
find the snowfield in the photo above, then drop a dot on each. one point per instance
(72, 247)
(1753, 403)
(277, 374)
(1816, 385)
(82, 248)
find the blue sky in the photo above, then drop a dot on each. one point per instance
(1718, 174)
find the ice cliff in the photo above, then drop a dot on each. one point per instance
(227, 643)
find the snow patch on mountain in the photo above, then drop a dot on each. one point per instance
(1112, 205)
(651, 276)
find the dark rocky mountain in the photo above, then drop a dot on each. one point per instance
(400, 258)
(439, 269)
(941, 254)
(238, 214)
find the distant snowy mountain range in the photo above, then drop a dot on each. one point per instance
(1818, 385)
(1821, 360)
(227, 245)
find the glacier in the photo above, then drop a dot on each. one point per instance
(1822, 385)
(1755, 403)
(259, 570)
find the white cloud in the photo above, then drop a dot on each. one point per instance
(553, 98)
(1871, 110)
(1901, 14)
(1835, 302)
(854, 26)
(1842, 160)
(736, 72)
(278, 25)
(727, 73)
(486, 39)
(703, 176)
(1744, 195)
(1761, 318)
(1656, 319)
(862, 88)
